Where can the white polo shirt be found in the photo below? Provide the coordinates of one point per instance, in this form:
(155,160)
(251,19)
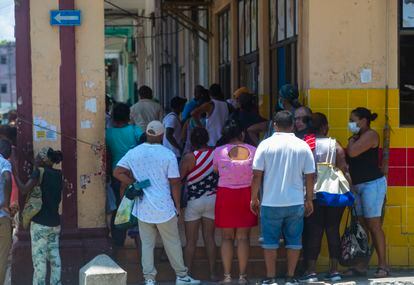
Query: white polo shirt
(284,159)
(156,163)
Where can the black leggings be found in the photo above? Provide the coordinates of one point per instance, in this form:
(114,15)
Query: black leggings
(323,219)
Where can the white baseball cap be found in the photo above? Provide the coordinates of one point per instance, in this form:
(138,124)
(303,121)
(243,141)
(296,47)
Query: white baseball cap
(155,128)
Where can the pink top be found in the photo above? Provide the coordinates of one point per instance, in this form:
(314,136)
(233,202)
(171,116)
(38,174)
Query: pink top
(234,173)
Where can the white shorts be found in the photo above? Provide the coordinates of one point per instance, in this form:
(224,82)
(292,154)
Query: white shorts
(202,207)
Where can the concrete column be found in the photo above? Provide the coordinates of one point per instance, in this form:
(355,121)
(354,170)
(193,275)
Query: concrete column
(66,81)
(264,58)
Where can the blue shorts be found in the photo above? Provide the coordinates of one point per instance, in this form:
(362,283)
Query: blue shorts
(369,198)
(278,220)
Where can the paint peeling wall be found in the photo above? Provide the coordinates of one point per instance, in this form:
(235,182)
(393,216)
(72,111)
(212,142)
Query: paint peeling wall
(341,45)
(91,114)
(45,72)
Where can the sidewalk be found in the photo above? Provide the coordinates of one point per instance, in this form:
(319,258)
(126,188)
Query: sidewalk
(400,277)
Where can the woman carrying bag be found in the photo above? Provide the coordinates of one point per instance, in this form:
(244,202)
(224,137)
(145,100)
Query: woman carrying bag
(370,185)
(45,225)
(332,195)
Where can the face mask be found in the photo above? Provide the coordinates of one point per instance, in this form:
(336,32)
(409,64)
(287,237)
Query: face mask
(280,103)
(353,127)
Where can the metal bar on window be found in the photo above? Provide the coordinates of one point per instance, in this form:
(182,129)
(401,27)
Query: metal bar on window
(286,15)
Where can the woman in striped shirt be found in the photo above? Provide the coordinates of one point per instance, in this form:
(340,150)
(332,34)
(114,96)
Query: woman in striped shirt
(197,172)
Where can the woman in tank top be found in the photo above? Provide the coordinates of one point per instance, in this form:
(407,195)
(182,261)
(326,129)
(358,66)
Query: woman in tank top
(197,172)
(324,218)
(45,225)
(370,185)
(217,112)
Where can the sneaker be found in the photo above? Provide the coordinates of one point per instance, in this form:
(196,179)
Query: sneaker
(227,279)
(269,281)
(243,280)
(291,281)
(333,277)
(150,282)
(312,277)
(186,280)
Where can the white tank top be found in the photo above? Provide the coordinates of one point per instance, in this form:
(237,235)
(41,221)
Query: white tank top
(325,150)
(215,122)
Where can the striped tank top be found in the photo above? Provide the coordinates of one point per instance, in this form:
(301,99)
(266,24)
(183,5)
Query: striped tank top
(202,180)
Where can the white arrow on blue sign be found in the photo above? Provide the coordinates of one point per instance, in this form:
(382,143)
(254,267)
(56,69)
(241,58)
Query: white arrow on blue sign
(65,17)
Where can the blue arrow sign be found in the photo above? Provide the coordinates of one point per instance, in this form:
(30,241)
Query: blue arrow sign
(65,17)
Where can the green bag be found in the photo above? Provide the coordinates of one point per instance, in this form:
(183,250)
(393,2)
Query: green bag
(33,203)
(124,218)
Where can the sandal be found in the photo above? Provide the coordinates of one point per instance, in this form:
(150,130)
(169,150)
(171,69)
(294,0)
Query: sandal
(352,272)
(381,273)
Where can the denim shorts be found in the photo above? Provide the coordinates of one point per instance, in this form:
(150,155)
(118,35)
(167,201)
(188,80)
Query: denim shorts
(369,198)
(276,221)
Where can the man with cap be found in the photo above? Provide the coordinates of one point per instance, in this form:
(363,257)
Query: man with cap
(173,128)
(156,210)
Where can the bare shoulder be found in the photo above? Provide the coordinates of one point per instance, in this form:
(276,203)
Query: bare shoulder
(372,136)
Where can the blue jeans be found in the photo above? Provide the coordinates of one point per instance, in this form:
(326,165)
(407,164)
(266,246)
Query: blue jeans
(369,198)
(278,220)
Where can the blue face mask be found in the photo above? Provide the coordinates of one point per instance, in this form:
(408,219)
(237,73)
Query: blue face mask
(353,128)
(280,103)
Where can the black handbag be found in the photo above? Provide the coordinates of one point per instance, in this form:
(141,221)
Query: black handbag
(354,242)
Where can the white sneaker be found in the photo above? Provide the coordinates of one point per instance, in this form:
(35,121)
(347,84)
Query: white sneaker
(186,280)
(150,282)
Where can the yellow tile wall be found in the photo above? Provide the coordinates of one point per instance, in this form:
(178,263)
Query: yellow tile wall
(399,213)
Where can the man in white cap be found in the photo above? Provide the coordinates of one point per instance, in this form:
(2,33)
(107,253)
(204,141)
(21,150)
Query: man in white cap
(157,209)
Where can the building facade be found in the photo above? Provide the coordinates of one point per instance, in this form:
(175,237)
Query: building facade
(341,54)
(7,76)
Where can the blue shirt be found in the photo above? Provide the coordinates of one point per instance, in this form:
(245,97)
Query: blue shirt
(5,165)
(188,108)
(120,140)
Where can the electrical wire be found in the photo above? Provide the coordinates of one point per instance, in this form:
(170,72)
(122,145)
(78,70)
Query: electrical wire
(93,145)
(132,14)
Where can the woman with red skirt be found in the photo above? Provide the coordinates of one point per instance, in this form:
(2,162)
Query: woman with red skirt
(233,162)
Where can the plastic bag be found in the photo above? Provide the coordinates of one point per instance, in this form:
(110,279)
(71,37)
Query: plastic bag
(124,218)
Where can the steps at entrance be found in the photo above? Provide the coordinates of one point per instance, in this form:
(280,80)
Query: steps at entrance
(129,259)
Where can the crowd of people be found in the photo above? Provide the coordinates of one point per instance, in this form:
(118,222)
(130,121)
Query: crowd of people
(220,165)
(204,160)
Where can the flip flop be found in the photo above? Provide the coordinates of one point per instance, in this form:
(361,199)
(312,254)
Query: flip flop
(381,273)
(352,272)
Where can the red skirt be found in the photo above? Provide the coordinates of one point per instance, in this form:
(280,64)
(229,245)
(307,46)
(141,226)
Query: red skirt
(233,208)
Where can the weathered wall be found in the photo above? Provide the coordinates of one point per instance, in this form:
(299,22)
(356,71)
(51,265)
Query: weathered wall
(90,89)
(346,36)
(46,60)
(45,69)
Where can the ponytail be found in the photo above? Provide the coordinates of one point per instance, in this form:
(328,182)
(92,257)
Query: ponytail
(364,113)
(55,156)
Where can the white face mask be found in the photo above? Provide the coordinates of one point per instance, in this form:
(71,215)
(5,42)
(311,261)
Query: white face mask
(353,127)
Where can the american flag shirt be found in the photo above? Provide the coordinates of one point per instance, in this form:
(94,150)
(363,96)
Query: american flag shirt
(202,180)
